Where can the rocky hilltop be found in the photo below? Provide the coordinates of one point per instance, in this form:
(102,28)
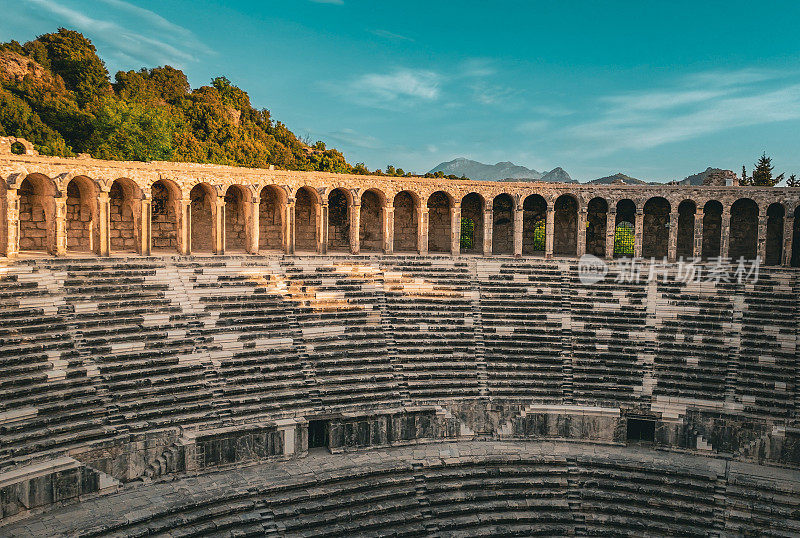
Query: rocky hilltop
(502,171)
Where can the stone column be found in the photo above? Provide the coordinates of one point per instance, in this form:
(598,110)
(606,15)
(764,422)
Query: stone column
(288,227)
(672,243)
(638,230)
(518,213)
(252,224)
(387,220)
(488,223)
(788,238)
(455,229)
(611,230)
(761,246)
(59,246)
(422,230)
(185,235)
(549,235)
(355,228)
(219,226)
(583,214)
(322,228)
(697,247)
(725,232)
(103,224)
(146,228)
(11,225)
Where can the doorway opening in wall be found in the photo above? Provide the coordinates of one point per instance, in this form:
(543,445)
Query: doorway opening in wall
(318,434)
(641,430)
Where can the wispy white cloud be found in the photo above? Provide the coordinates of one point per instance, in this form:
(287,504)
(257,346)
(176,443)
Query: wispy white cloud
(394,90)
(354,138)
(333,2)
(128,34)
(391,35)
(649,119)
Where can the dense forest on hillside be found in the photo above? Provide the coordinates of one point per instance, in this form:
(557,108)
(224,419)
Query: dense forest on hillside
(55,91)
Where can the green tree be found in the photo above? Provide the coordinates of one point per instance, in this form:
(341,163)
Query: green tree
(131,131)
(793,181)
(74,59)
(762,174)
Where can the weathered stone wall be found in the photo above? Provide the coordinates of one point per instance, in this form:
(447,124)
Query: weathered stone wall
(439,239)
(338,222)
(124,222)
(235,220)
(405,223)
(473,210)
(656,229)
(503,225)
(371,223)
(33,223)
(270,221)
(565,239)
(305,222)
(534,212)
(202,213)
(79,221)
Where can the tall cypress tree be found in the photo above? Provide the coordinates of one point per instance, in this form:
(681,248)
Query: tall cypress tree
(762,175)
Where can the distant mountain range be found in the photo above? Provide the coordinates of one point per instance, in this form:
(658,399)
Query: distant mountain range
(697,179)
(619,177)
(500,171)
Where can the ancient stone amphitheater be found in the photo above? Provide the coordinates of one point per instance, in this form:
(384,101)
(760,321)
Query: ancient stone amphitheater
(192,350)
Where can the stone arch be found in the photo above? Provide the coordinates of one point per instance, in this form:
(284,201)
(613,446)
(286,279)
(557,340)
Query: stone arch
(795,259)
(503,224)
(743,235)
(534,224)
(596,223)
(306,219)
(774,247)
(472,211)
(271,216)
(565,227)
(237,215)
(165,218)
(655,228)
(37,227)
(339,207)
(406,206)
(370,226)
(203,211)
(624,229)
(439,222)
(81,219)
(125,215)
(712,229)
(687,210)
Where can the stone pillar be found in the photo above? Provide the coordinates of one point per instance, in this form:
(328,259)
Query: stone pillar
(11,225)
(638,230)
(322,228)
(219,226)
(611,230)
(103,224)
(355,228)
(387,220)
(549,232)
(252,224)
(583,214)
(146,228)
(288,227)
(788,238)
(455,229)
(488,223)
(185,235)
(761,246)
(725,233)
(422,230)
(288,426)
(672,244)
(59,246)
(518,213)
(697,246)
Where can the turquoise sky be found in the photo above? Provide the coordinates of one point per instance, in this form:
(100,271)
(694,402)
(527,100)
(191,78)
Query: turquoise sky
(657,90)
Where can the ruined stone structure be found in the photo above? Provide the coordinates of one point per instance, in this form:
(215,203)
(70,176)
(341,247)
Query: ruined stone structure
(154,390)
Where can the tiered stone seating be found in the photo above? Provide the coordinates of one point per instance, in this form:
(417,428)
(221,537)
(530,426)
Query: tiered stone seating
(692,353)
(608,322)
(761,502)
(506,496)
(429,305)
(253,341)
(521,312)
(646,496)
(47,401)
(764,380)
(339,317)
(145,349)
